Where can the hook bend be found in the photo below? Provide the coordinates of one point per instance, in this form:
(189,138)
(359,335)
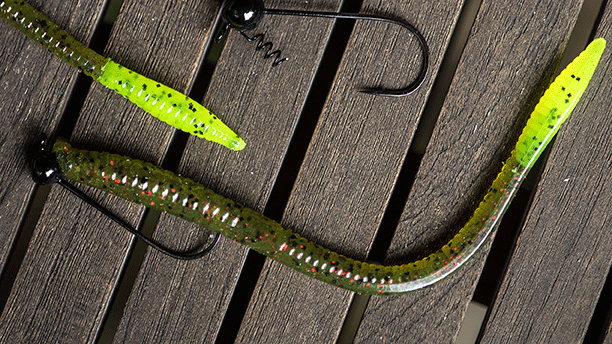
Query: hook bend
(343,15)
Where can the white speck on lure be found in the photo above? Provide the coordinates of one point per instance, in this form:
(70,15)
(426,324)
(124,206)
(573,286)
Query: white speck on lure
(118,78)
(286,247)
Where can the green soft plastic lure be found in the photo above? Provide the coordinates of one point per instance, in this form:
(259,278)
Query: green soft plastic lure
(153,187)
(161,101)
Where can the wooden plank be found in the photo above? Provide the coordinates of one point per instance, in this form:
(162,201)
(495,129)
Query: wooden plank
(350,168)
(186,301)
(562,256)
(509,58)
(63,287)
(34,86)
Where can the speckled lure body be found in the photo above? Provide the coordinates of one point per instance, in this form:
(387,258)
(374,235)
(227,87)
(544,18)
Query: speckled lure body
(157,99)
(153,187)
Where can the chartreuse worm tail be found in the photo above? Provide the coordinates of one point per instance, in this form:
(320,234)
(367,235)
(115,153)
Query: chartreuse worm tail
(156,188)
(159,100)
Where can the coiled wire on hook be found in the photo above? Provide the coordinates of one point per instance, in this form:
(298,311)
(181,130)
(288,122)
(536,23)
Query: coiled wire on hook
(268,46)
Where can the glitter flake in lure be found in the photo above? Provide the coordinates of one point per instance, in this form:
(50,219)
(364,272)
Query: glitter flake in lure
(153,187)
(159,100)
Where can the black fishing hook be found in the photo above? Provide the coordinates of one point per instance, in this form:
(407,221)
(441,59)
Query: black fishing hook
(45,170)
(244,15)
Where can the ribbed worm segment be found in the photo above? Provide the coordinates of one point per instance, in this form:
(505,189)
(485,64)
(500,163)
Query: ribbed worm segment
(40,29)
(151,186)
(157,99)
(169,105)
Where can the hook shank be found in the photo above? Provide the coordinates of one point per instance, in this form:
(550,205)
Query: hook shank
(172,253)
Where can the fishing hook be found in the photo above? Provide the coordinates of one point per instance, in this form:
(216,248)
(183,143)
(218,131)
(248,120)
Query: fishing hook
(45,170)
(244,15)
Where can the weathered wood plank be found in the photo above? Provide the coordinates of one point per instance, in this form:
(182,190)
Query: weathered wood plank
(75,256)
(500,76)
(34,86)
(562,256)
(187,301)
(350,168)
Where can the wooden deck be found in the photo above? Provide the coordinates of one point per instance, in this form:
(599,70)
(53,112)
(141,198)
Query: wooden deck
(372,177)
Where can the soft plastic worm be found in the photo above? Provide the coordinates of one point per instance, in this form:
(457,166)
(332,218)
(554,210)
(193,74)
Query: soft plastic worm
(159,100)
(153,187)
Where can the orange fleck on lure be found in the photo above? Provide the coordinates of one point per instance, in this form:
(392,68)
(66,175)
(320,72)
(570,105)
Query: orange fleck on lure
(161,101)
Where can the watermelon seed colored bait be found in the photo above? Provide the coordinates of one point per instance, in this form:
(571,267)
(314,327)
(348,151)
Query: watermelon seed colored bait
(159,100)
(153,187)
(156,188)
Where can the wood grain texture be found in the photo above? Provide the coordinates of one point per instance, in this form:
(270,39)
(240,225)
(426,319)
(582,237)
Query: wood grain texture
(350,168)
(75,256)
(186,302)
(65,282)
(499,79)
(562,257)
(34,86)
